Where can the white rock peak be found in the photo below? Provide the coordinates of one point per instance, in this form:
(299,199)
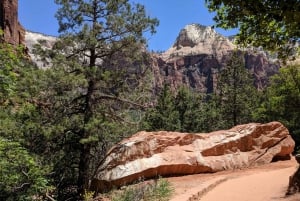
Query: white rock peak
(198,39)
(46,42)
(197,33)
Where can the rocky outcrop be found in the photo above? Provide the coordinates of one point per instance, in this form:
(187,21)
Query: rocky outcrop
(199,54)
(195,59)
(152,154)
(14,33)
(197,39)
(45,41)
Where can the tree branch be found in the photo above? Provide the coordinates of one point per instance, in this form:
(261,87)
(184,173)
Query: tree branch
(120,100)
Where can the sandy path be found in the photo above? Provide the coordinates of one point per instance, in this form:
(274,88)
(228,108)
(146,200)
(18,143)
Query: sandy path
(264,183)
(263,186)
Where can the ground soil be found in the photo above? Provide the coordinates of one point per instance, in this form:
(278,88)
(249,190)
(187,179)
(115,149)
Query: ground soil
(263,183)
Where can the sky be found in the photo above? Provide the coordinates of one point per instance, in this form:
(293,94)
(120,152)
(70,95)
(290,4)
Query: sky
(174,15)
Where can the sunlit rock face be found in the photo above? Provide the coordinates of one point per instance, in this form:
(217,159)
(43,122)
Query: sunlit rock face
(195,59)
(194,34)
(152,154)
(45,41)
(199,54)
(198,39)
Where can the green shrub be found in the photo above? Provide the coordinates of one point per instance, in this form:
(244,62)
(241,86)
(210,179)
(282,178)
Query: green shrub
(159,190)
(88,195)
(162,190)
(21,176)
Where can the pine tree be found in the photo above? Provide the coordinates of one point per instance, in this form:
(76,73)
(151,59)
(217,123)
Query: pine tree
(96,62)
(164,116)
(236,95)
(190,107)
(282,101)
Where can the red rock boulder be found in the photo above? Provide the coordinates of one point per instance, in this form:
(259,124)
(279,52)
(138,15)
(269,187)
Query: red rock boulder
(152,154)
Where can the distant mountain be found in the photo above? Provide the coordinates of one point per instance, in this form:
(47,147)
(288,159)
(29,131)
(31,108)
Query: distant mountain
(199,54)
(197,39)
(195,59)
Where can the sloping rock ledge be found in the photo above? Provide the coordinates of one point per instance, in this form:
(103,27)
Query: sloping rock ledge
(151,154)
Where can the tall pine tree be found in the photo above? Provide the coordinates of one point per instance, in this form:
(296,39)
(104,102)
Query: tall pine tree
(235,94)
(282,101)
(95,63)
(164,116)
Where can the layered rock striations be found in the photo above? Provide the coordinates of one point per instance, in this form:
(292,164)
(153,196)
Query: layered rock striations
(195,60)
(13,31)
(197,39)
(152,154)
(199,54)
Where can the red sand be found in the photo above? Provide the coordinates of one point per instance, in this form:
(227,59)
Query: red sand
(263,183)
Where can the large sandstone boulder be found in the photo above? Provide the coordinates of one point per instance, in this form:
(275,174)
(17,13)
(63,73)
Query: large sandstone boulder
(152,154)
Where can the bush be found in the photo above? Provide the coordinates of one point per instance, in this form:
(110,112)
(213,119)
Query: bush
(21,176)
(159,190)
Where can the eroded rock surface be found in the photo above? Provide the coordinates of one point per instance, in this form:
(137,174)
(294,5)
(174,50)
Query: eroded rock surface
(13,31)
(200,53)
(196,39)
(152,154)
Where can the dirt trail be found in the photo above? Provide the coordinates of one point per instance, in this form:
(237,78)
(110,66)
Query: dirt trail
(263,183)
(263,186)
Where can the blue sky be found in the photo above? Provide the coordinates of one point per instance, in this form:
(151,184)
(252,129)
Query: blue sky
(38,16)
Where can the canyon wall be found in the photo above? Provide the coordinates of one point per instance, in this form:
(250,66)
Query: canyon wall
(13,31)
(200,53)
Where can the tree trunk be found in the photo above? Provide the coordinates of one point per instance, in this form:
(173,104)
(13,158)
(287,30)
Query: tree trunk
(83,169)
(85,148)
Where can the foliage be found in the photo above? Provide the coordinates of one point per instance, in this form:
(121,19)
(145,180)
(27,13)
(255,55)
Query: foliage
(21,176)
(282,101)
(9,59)
(161,190)
(83,100)
(188,105)
(235,94)
(61,120)
(164,115)
(88,195)
(267,23)
(233,102)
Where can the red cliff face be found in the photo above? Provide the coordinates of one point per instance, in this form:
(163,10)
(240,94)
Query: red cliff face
(14,33)
(197,57)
